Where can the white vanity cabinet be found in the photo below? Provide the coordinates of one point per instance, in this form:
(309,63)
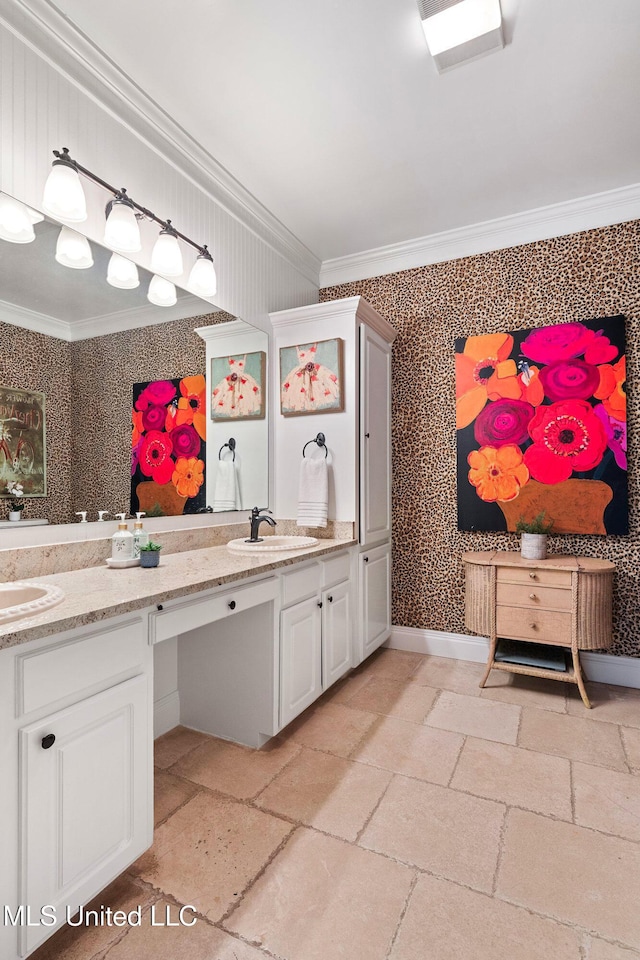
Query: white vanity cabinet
(77,708)
(374,588)
(316,629)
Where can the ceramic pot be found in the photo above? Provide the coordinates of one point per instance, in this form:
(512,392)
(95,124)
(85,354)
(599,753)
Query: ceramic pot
(533,546)
(15,514)
(149,558)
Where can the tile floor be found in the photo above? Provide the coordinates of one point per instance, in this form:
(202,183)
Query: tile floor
(408,815)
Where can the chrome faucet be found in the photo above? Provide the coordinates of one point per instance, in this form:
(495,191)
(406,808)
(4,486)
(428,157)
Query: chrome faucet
(255,520)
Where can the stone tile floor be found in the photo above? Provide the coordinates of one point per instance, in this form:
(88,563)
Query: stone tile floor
(407,815)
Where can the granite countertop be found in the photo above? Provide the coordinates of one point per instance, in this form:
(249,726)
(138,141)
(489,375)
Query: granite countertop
(97,593)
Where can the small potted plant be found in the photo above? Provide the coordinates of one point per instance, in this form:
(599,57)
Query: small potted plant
(533,544)
(150,554)
(17,505)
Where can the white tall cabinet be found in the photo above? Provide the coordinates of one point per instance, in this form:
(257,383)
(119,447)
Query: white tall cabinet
(358,440)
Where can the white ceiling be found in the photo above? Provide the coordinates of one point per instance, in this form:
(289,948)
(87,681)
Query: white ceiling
(332,114)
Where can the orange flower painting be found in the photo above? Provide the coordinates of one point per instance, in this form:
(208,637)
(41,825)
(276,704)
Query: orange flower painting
(541,417)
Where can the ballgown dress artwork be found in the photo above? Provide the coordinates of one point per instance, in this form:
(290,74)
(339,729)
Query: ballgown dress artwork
(238,394)
(309,385)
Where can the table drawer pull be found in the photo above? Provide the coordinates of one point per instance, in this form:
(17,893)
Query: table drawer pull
(533,576)
(532,596)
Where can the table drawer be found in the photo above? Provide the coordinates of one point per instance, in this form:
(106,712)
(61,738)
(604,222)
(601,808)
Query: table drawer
(537,575)
(532,596)
(545,626)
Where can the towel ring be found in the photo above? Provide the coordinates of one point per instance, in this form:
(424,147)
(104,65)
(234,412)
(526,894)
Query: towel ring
(321,441)
(232,447)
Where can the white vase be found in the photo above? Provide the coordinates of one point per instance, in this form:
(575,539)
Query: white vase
(533,546)
(15,514)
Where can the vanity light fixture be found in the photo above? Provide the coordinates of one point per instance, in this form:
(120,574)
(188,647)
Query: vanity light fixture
(162,293)
(122,273)
(166,256)
(121,231)
(73,250)
(64,199)
(63,196)
(17,220)
(202,279)
(461,30)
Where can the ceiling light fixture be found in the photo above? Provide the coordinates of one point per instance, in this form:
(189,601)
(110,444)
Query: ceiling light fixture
(458,31)
(162,293)
(17,220)
(122,233)
(73,250)
(122,273)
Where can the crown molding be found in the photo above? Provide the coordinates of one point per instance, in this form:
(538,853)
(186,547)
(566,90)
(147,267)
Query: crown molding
(543,223)
(147,315)
(54,37)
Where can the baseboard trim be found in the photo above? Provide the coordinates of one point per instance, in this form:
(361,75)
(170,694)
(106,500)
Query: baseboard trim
(599,667)
(166,714)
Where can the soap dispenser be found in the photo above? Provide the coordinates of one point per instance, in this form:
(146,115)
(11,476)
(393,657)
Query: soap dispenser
(140,536)
(122,541)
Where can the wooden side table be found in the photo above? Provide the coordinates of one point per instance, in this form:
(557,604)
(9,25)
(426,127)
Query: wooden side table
(563,601)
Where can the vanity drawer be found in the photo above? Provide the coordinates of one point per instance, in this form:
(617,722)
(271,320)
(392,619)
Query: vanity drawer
(545,626)
(537,575)
(300,583)
(180,616)
(74,666)
(336,569)
(533,596)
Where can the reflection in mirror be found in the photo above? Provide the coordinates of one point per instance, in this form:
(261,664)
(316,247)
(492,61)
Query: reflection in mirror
(84,343)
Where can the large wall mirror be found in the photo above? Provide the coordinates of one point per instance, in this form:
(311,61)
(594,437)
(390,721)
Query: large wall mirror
(88,346)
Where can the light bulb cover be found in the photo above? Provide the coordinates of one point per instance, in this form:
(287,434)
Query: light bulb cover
(122,273)
(121,231)
(202,279)
(73,250)
(162,293)
(17,220)
(166,256)
(63,196)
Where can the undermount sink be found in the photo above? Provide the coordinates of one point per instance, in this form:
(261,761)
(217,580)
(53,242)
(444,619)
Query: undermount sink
(270,544)
(19,599)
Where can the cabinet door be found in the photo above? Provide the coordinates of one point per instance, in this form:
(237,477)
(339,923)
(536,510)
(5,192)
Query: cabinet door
(375,598)
(300,658)
(86,799)
(375,437)
(336,633)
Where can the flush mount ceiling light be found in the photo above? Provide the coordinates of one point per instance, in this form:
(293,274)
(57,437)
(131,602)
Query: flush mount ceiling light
(121,231)
(17,220)
(73,250)
(461,30)
(64,199)
(122,273)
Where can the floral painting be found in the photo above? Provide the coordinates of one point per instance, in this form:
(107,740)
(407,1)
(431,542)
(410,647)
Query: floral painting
(238,392)
(311,378)
(168,446)
(541,420)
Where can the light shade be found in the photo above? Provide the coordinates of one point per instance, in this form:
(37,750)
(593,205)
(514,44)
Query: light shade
(202,279)
(73,250)
(121,231)
(122,273)
(166,256)
(63,195)
(162,292)
(17,220)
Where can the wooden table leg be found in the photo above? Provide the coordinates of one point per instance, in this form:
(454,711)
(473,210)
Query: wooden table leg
(490,661)
(575,656)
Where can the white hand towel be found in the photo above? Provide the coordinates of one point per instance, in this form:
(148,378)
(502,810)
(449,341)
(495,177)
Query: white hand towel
(313,495)
(226,495)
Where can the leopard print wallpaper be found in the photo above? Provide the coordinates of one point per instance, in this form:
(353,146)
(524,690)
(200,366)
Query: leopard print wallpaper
(581,276)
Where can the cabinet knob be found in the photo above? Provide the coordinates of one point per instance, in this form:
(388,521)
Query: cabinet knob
(48,741)
(533,576)
(232,604)
(320,603)
(160,607)
(330,599)
(532,596)
(367,435)
(366,559)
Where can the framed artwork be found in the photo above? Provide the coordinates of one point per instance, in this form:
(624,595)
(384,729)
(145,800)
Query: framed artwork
(541,418)
(23,459)
(311,378)
(168,448)
(238,387)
